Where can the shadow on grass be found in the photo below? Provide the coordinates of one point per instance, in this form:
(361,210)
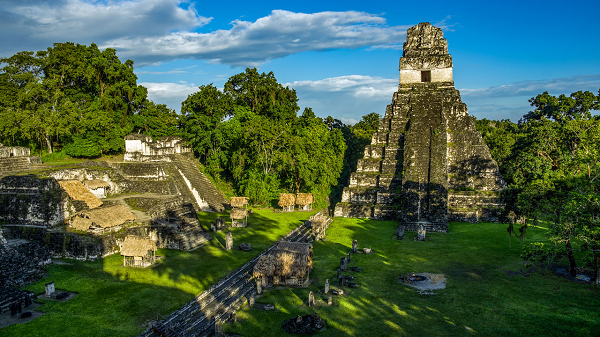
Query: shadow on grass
(480,297)
(118,301)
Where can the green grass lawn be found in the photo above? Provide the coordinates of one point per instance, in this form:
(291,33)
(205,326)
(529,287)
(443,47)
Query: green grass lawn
(490,291)
(117,301)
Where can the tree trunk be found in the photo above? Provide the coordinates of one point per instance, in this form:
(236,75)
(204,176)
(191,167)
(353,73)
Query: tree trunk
(48,143)
(572,266)
(597,261)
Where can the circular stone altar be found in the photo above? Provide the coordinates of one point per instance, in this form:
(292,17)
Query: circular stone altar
(424,281)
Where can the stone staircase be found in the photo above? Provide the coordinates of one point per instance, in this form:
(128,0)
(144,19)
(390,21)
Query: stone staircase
(10,295)
(374,188)
(198,317)
(14,165)
(206,196)
(191,234)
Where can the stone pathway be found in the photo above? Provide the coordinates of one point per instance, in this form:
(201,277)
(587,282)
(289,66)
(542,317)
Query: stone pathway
(219,301)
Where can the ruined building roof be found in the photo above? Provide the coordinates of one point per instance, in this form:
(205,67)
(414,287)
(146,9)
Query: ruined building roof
(80,223)
(108,216)
(137,246)
(304,199)
(96,183)
(239,201)
(286,199)
(77,191)
(288,259)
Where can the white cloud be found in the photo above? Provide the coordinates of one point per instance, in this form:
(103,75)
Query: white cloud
(277,35)
(356,85)
(171,94)
(535,87)
(346,98)
(38,24)
(153,31)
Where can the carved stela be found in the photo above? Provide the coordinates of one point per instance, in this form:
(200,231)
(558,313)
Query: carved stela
(427,164)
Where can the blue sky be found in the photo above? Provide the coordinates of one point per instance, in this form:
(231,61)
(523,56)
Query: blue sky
(340,56)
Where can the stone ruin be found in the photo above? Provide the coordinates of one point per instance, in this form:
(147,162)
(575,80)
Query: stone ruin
(427,164)
(15,159)
(306,324)
(142,148)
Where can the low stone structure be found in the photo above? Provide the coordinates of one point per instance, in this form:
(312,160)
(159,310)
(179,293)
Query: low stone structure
(289,263)
(305,201)
(16,159)
(427,163)
(11,298)
(287,201)
(142,148)
(107,218)
(138,252)
(303,324)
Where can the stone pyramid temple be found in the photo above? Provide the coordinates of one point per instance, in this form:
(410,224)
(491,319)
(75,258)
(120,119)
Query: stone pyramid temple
(427,164)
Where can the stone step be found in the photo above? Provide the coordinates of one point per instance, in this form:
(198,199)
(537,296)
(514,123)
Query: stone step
(387,138)
(207,191)
(370,180)
(224,297)
(359,195)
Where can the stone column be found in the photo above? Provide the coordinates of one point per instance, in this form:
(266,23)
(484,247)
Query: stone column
(259,285)
(329,301)
(343,263)
(219,328)
(347,259)
(251,299)
(421,233)
(326,286)
(311,299)
(50,290)
(400,232)
(354,246)
(228,241)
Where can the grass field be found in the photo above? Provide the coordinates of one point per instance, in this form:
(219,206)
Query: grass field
(117,301)
(489,291)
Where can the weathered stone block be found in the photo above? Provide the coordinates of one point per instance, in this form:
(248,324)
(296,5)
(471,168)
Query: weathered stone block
(363,180)
(375,152)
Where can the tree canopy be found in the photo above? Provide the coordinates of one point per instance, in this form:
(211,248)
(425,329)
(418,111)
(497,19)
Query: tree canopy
(77,97)
(250,135)
(551,160)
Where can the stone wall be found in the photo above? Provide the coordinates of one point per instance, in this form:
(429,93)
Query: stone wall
(13,151)
(33,200)
(142,148)
(22,262)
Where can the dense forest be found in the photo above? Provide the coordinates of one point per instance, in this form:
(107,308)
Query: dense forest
(77,98)
(249,135)
(551,162)
(83,101)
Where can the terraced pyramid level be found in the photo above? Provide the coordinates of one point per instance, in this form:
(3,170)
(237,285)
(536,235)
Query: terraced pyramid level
(427,164)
